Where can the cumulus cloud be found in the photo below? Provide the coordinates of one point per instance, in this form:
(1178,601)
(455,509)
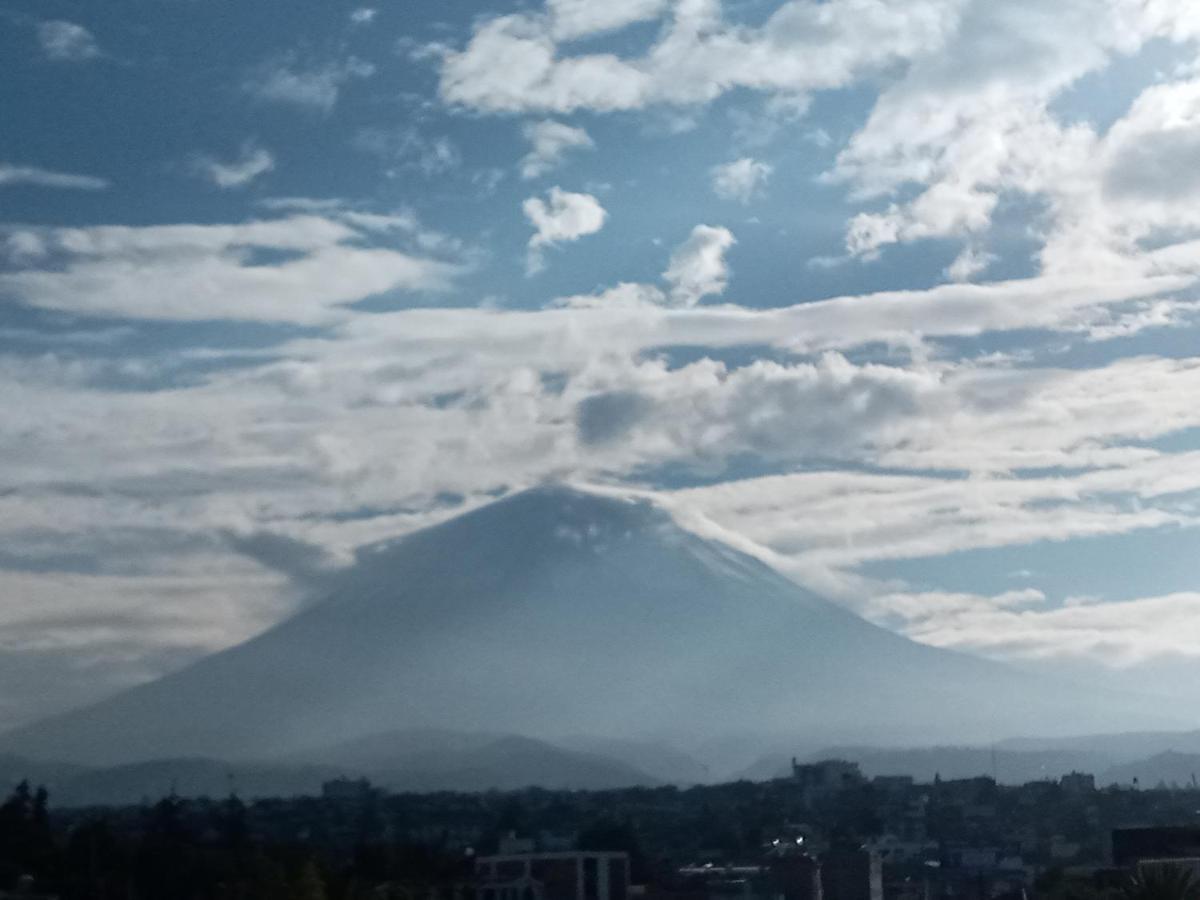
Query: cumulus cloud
(803,46)
(974,121)
(252,161)
(706,413)
(697,268)
(969,119)
(1134,186)
(550,142)
(197,272)
(562,217)
(741,179)
(364,15)
(11,174)
(286,79)
(67,41)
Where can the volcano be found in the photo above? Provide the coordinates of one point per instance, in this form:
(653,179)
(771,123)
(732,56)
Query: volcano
(558,611)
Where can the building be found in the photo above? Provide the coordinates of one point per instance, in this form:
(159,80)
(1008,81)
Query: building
(795,876)
(570,875)
(1131,846)
(1078,783)
(26,890)
(827,777)
(851,875)
(712,882)
(1191,866)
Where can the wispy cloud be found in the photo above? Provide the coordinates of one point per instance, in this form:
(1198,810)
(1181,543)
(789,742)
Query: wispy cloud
(550,142)
(199,272)
(741,179)
(67,41)
(407,148)
(32,175)
(287,79)
(252,161)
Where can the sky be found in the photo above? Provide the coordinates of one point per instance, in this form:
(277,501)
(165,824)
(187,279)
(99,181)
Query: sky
(901,295)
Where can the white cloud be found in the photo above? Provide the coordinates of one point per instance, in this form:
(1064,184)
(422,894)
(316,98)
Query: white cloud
(364,15)
(253,161)
(67,42)
(705,413)
(626,295)
(974,122)
(550,142)
(563,217)
(969,119)
(197,272)
(1143,316)
(741,179)
(11,174)
(697,268)
(1118,633)
(970,262)
(513,63)
(286,80)
(580,18)
(23,247)
(1132,186)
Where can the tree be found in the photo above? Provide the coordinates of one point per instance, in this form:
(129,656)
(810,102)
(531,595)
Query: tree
(309,884)
(1162,881)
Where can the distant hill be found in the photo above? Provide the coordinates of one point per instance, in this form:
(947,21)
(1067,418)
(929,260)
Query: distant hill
(426,761)
(14,769)
(659,760)
(1117,747)
(768,767)
(72,785)
(447,760)
(1170,768)
(558,611)
(135,782)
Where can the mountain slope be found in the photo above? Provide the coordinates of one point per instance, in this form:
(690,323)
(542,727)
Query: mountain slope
(1120,748)
(658,760)
(1170,768)
(555,611)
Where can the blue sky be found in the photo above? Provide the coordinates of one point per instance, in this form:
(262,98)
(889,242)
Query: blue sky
(898,294)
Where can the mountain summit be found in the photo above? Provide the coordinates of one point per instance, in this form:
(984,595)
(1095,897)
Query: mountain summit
(556,611)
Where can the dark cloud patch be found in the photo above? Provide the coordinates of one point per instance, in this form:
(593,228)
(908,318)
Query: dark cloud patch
(1160,169)
(603,418)
(308,565)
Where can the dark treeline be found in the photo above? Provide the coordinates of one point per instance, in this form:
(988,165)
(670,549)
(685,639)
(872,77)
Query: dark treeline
(198,850)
